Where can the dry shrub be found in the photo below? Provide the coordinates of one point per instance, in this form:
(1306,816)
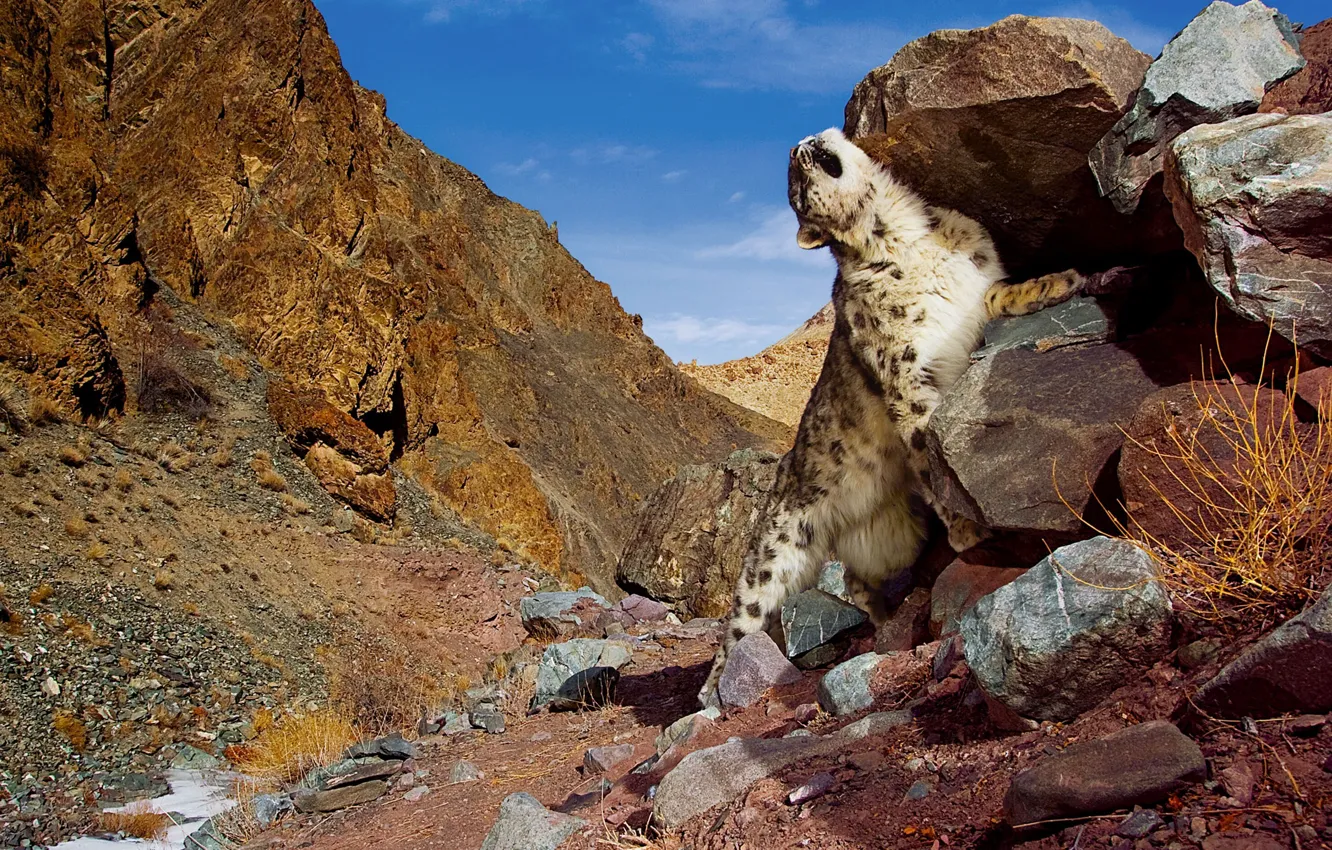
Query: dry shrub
(164,580)
(270,479)
(43,411)
(73,456)
(81,630)
(295,506)
(173,457)
(69,725)
(1256,536)
(222,457)
(138,820)
(290,748)
(41,593)
(76,527)
(123,480)
(160,382)
(384,689)
(97,550)
(235,368)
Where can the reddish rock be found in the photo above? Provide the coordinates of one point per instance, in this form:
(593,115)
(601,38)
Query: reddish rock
(1309,90)
(960,586)
(1152,480)
(307,419)
(908,626)
(1315,388)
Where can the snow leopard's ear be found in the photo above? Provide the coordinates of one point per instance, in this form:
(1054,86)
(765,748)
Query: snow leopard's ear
(810,237)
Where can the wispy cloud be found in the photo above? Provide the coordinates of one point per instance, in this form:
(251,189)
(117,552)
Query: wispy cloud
(760,44)
(529,164)
(736,197)
(1146,37)
(679,329)
(443,11)
(772,240)
(673,176)
(637,44)
(612,152)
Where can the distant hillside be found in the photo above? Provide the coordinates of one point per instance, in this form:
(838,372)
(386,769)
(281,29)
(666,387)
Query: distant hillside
(776,381)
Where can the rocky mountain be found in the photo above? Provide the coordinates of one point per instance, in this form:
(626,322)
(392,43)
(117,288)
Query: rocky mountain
(219,150)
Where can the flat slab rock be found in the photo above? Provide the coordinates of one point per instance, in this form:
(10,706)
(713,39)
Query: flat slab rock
(525,824)
(339,798)
(1289,671)
(815,619)
(754,666)
(717,775)
(1069,631)
(1139,765)
(555,612)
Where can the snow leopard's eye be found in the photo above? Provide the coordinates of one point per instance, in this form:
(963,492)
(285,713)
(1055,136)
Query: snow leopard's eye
(828,162)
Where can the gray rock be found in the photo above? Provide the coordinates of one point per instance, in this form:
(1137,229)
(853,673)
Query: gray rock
(587,689)
(1079,321)
(1254,199)
(209,836)
(642,609)
(1287,672)
(562,660)
(684,727)
(1217,68)
(1139,765)
(416,794)
(546,615)
(376,769)
(464,771)
(1139,824)
(919,790)
(845,688)
(813,621)
(1056,641)
(456,723)
(193,758)
(604,759)
(486,716)
(875,724)
(267,808)
(308,801)
(754,666)
(832,581)
(389,747)
(525,824)
(813,788)
(717,775)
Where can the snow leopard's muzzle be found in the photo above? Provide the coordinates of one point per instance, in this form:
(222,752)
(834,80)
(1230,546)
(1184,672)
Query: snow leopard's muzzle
(811,160)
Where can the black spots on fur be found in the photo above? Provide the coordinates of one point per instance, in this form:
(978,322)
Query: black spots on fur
(769,553)
(887,267)
(897,311)
(737,633)
(858,320)
(894,367)
(925,477)
(909,354)
(880,231)
(872,382)
(929,379)
(836,452)
(919,318)
(805,537)
(783,537)
(764,576)
(933,221)
(980,258)
(918,408)
(918,439)
(753,609)
(894,412)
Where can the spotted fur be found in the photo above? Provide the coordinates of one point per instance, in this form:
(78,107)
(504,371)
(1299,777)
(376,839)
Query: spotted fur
(914,288)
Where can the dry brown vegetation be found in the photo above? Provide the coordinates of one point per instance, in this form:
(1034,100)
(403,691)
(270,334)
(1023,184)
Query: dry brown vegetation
(73,456)
(139,820)
(41,593)
(164,579)
(1258,512)
(43,411)
(385,690)
(286,750)
(67,724)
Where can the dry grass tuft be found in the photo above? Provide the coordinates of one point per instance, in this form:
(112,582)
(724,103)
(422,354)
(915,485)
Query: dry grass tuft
(123,481)
(138,820)
(235,368)
(76,527)
(385,690)
(43,411)
(73,456)
(295,506)
(269,479)
(41,593)
(173,457)
(164,580)
(69,725)
(1257,541)
(97,550)
(288,749)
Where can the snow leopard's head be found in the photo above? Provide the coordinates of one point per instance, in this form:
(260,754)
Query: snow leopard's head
(832,186)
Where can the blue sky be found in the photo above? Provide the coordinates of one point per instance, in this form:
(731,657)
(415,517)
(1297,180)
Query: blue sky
(655,132)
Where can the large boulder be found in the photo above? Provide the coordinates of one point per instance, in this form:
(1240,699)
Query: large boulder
(525,824)
(690,536)
(1289,671)
(1072,629)
(1217,68)
(561,662)
(1254,198)
(1140,765)
(1177,503)
(754,666)
(1309,90)
(997,123)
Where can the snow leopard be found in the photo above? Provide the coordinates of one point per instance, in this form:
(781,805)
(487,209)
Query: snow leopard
(915,286)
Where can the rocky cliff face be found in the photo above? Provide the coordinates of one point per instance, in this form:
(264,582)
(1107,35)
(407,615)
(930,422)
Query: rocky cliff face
(219,148)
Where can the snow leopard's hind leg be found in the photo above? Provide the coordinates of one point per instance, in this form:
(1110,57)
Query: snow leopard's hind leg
(785,559)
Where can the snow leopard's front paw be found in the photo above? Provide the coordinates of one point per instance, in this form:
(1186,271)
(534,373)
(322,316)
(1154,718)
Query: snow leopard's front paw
(964,534)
